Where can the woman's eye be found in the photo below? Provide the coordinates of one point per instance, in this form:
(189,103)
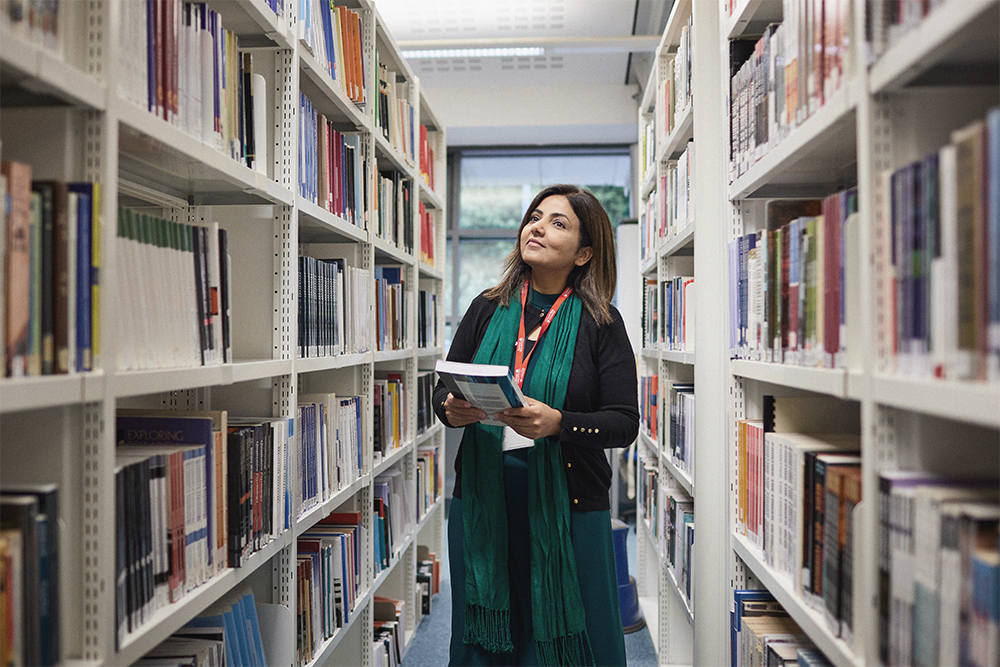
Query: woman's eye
(560,223)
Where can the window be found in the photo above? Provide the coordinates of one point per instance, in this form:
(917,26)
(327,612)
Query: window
(495,186)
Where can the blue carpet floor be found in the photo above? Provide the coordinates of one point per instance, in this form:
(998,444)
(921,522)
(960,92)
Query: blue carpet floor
(429,645)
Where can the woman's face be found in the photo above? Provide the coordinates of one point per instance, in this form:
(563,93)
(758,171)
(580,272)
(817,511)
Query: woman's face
(550,241)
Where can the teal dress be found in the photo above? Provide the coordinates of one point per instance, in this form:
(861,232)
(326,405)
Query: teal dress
(593,548)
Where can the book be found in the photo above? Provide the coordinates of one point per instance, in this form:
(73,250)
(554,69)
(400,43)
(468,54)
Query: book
(489,387)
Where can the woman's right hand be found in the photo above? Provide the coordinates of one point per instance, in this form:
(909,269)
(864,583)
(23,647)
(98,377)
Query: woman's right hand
(461,413)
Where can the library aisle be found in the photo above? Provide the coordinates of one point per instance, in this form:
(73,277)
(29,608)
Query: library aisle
(429,645)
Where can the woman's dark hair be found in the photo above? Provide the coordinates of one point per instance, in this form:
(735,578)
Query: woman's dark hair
(595,281)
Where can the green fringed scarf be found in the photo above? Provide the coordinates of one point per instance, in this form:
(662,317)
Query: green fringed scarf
(558,619)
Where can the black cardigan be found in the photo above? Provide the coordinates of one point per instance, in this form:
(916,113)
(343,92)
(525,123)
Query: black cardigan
(601,408)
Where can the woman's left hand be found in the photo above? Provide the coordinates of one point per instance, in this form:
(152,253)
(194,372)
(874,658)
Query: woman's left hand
(535,421)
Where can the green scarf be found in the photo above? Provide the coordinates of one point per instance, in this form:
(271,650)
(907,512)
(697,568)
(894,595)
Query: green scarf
(558,619)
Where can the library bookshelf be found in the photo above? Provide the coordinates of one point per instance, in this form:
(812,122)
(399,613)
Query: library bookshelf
(904,87)
(75,109)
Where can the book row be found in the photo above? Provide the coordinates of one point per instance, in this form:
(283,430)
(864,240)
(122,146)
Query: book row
(668,317)
(796,496)
(675,87)
(328,579)
(51,283)
(429,479)
(649,400)
(425,406)
(762,633)
(677,539)
(179,313)
(389,640)
(180,64)
(230,638)
(335,36)
(786,75)
(671,209)
(29,575)
(391,305)
(888,22)
(333,307)
(787,296)
(938,569)
(941,251)
(427,320)
(428,235)
(329,449)
(427,158)
(680,399)
(428,577)
(35,21)
(390,413)
(197,492)
(393,215)
(331,166)
(668,513)
(395,114)
(394,515)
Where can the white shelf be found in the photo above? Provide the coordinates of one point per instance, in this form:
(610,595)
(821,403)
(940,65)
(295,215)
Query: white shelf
(316,224)
(170,618)
(649,182)
(957,35)
(254,23)
(750,17)
(681,595)
(682,476)
(648,266)
(650,443)
(429,271)
(678,357)
(391,458)
(810,620)
(314,514)
(395,157)
(680,243)
(139,383)
(33,393)
(972,402)
(428,196)
(39,71)
(429,433)
(312,364)
(816,158)
(387,252)
(830,381)
(159,155)
(679,14)
(650,607)
(676,141)
(393,355)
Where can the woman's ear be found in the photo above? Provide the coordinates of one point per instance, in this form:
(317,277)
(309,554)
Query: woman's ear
(583,255)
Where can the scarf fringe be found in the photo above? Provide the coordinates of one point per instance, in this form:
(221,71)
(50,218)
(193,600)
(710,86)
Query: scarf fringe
(490,628)
(571,651)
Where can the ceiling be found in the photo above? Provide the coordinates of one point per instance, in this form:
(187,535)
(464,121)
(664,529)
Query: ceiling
(594,51)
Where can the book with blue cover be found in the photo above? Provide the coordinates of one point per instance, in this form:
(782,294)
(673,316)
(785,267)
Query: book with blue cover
(489,387)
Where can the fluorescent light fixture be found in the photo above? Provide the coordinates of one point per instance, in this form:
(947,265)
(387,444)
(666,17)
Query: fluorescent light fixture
(475,53)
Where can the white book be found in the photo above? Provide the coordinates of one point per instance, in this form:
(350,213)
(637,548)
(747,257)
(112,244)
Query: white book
(944,269)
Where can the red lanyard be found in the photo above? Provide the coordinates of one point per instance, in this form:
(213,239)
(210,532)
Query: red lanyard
(521,361)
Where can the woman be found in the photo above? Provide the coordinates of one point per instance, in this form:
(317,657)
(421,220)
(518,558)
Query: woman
(529,533)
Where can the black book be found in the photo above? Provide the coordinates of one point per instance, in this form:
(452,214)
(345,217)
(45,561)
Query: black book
(249,150)
(200,276)
(225,309)
(47,191)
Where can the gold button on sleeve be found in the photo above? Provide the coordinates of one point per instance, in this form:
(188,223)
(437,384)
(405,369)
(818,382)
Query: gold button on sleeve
(576,501)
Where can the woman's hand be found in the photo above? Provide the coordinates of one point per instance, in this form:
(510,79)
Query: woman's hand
(461,413)
(535,421)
